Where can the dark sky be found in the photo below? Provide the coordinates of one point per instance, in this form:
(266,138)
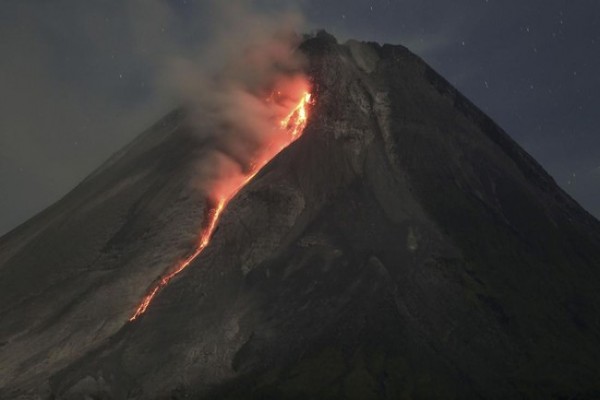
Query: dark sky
(79,79)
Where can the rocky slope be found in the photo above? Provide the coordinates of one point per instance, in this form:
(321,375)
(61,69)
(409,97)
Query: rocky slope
(403,247)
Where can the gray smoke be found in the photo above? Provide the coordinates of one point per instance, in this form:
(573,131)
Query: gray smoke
(238,88)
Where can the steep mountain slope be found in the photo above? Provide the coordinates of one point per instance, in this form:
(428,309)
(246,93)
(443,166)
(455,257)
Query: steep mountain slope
(403,247)
(71,276)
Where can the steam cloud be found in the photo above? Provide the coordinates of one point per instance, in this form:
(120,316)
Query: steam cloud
(239,89)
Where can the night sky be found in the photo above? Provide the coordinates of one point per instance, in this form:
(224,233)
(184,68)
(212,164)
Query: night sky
(78,80)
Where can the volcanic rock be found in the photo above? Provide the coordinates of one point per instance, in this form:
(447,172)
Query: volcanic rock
(404,247)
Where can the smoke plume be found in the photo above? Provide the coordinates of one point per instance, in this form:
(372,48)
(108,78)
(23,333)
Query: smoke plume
(239,89)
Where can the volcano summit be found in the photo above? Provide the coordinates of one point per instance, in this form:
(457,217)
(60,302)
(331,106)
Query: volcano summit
(403,247)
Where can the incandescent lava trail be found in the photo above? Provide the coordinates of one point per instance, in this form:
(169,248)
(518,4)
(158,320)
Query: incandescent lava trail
(290,128)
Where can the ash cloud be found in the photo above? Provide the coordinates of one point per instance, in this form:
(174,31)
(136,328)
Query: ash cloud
(79,80)
(238,89)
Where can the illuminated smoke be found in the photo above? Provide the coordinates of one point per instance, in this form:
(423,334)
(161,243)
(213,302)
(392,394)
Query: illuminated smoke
(240,88)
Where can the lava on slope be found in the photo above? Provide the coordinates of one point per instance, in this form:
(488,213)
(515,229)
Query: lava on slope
(289,129)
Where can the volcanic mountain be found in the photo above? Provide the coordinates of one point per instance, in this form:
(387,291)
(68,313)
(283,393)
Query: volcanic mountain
(403,247)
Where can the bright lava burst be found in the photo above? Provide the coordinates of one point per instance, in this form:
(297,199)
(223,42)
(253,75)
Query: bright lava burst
(291,128)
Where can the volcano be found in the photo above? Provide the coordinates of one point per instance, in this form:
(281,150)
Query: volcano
(403,247)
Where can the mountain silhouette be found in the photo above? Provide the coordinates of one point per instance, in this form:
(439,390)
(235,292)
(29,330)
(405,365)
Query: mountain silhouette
(404,247)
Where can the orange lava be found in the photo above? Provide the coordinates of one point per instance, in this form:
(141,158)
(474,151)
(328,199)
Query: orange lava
(295,121)
(290,128)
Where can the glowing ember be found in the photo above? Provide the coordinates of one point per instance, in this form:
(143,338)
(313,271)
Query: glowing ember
(291,128)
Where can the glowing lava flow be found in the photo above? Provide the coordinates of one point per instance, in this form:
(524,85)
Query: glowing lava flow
(213,217)
(293,123)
